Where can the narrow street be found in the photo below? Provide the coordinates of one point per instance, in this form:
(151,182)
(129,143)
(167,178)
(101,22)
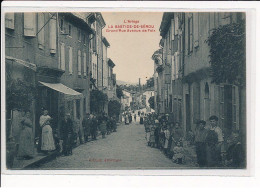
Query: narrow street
(123,149)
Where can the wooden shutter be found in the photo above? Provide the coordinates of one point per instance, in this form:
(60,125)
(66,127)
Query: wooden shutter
(173,70)
(30,24)
(235,107)
(62,56)
(196,29)
(85,64)
(176,19)
(53,34)
(172,28)
(177,64)
(191,32)
(70,60)
(41,30)
(79,62)
(9,20)
(211,22)
(216,19)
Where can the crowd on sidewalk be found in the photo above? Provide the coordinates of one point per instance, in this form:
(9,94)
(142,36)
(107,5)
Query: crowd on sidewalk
(66,138)
(211,149)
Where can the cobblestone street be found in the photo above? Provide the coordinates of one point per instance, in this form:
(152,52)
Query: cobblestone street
(126,148)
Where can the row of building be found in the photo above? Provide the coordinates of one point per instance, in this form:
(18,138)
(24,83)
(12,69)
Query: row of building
(64,57)
(183,80)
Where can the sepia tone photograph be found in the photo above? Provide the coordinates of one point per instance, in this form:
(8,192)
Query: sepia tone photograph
(125,90)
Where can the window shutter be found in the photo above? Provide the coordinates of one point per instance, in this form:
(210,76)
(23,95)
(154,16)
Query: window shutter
(172,27)
(176,25)
(186,35)
(173,75)
(79,62)
(30,24)
(211,22)
(53,34)
(9,20)
(216,19)
(177,65)
(41,30)
(62,56)
(196,29)
(85,64)
(191,32)
(70,60)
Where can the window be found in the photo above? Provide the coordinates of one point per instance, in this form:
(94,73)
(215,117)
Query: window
(85,64)
(79,62)
(78,109)
(41,30)
(30,24)
(70,60)
(206,90)
(62,56)
(70,31)
(9,20)
(226,18)
(61,25)
(79,35)
(84,38)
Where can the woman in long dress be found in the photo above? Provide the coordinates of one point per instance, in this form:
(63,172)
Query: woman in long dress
(47,136)
(26,143)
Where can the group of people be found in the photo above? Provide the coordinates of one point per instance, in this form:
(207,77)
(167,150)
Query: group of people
(91,125)
(164,135)
(211,151)
(69,133)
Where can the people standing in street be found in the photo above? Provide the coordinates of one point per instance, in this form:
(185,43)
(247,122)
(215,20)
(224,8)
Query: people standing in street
(103,128)
(147,131)
(167,138)
(26,143)
(200,143)
(156,132)
(178,153)
(47,135)
(67,134)
(218,148)
(86,126)
(114,124)
(211,148)
(135,117)
(93,127)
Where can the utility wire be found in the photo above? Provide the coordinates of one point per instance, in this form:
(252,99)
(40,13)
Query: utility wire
(45,24)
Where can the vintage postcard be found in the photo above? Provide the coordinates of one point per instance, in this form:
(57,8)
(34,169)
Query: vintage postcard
(125,90)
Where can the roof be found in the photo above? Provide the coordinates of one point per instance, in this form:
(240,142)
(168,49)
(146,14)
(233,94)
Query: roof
(78,18)
(165,24)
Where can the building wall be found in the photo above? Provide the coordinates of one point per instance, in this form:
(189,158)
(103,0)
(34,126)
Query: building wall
(202,98)
(32,46)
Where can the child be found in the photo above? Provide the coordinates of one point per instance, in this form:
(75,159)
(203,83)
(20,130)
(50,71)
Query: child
(178,154)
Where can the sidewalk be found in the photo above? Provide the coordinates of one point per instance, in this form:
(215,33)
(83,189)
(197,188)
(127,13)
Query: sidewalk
(40,159)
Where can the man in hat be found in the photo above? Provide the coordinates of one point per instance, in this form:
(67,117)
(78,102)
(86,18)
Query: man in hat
(67,134)
(200,142)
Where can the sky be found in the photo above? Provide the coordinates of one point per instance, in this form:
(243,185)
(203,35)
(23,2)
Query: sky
(132,51)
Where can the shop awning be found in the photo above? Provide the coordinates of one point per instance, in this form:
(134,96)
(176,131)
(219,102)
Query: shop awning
(63,89)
